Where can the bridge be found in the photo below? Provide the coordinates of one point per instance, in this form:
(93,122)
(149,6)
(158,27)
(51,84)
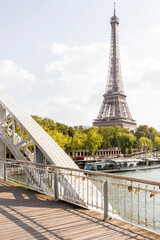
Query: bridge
(29,215)
(29,210)
(56,199)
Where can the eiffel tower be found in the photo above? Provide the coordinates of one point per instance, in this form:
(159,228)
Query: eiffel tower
(114,109)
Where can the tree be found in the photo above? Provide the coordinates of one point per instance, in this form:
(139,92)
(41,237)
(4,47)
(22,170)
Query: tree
(108,136)
(126,141)
(46,123)
(142,131)
(37,119)
(62,128)
(145,143)
(157,143)
(78,140)
(103,137)
(71,131)
(117,131)
(62,140)
(93,141)
(152,133)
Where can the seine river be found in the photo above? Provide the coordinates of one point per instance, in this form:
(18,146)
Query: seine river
(151,174)
(154,175)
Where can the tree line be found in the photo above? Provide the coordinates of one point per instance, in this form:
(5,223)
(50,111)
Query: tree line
(92,139)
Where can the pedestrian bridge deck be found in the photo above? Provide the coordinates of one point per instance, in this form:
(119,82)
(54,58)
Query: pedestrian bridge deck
(25,214)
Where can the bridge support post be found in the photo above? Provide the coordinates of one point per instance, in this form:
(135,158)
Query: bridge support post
(56,185)
(106,203)
(2,145)
(26,176)
(4,171)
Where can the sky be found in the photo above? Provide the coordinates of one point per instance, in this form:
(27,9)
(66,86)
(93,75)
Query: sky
(54,57)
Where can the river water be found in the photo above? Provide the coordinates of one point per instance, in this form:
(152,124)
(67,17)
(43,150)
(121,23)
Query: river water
(152,210)
(150,174)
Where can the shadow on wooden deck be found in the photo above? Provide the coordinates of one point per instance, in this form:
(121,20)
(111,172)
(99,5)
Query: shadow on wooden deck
(25,214)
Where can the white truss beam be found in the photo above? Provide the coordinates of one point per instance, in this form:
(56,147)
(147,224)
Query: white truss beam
(20,144)
(40,139)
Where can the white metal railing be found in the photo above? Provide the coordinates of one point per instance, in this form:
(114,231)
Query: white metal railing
(133,200)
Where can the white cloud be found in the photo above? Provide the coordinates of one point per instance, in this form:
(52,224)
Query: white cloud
(14,77)
(49,81)
(70,111)
(40,45)
(79,63)
(83,73)
(142,86)
(59,48)
(156,31)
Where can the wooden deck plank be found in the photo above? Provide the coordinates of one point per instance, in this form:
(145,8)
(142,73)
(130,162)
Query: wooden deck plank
(25,214)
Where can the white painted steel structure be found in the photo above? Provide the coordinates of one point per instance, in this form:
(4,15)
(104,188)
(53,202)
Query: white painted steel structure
(11,116)
(45,149)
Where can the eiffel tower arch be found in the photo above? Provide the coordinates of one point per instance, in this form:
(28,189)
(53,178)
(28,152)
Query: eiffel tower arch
(114,109)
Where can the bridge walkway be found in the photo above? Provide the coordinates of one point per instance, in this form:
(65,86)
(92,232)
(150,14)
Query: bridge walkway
(25,214)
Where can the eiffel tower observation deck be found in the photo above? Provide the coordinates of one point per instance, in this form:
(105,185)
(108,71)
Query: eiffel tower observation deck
(114,109)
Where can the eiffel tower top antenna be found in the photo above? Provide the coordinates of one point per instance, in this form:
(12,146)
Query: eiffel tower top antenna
(114,8)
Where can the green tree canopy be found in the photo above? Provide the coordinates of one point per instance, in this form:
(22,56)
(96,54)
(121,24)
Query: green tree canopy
(157,143)
(104,137)
(145,143)
(126,141)
(46,123)
(78,140)
(62,128)
(94,141)
(152,133)
(62,140)
(108,136)
(71,131)
(142,131)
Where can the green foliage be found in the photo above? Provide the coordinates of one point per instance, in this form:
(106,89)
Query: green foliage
(145,143)
(146,137)
(46,123)
(152,133)
(111,136)
(157,143)
(71,131)
(62,128)
(142,131)
(78,140)
(117,131)
(145,131)
(126,141)
(62,140)
(92,139)
(108,136)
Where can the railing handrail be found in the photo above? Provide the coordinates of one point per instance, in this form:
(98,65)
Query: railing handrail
(97,173)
